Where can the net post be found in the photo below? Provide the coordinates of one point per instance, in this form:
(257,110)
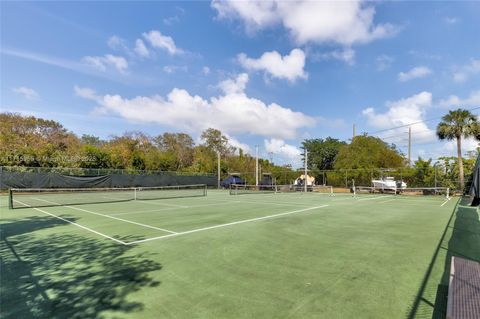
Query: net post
(205,190)
(10,199)
(135,193)
(448,192)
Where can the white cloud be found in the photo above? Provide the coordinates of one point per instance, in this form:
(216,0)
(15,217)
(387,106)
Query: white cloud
(141,49)
(383,62)
(342,22)
(237,144)
(454,101)
(290,67)
(415,73)
(117,43)
(206,70)
(28,93)
(463,73)
(86,93)
(283,150)
(234,86)
(160,41)
(232,112)
(101,63)
(403,112)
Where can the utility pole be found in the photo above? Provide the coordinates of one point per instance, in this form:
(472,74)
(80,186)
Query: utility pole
(409,146)
(218,169)
(354,132)
(306,170)
(256,165)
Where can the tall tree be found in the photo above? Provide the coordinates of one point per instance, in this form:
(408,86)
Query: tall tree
(216,141)
(455,125)
(322,152)
(368,152)
(180,145)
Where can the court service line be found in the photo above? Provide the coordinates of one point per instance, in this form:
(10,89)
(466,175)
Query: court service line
(225,225)
(446,201)
(107,216)
(75,224)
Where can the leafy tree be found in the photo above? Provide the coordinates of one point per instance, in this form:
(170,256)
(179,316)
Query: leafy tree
(180,144)
(31,141)
(368,152)
(423,173)
(94,157)
(455,125)
(92,140)
(216,141)
(322,152)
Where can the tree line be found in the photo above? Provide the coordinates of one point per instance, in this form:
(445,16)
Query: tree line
(36,142)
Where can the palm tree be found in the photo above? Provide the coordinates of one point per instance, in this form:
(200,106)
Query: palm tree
(455,125)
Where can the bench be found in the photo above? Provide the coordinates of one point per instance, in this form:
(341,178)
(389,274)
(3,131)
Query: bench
(464,289)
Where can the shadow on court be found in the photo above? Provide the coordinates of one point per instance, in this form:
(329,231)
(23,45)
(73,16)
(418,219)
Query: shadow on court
(66,275)
(461,238)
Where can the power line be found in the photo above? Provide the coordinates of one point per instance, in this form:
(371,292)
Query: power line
(414,123)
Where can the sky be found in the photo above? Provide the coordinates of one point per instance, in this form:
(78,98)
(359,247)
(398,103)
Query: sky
(269,73)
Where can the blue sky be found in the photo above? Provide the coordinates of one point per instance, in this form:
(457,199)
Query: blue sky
(267,74)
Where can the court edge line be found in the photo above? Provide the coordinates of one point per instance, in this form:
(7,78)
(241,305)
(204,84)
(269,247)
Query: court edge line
(75,224)
(224,225)
(108,216)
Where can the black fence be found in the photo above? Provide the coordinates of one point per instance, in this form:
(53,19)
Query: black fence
(475,184)
(22,177)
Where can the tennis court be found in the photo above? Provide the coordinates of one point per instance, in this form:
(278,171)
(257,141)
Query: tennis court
(272,255)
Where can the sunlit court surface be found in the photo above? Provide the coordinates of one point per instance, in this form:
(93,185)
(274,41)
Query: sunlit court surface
(261,255)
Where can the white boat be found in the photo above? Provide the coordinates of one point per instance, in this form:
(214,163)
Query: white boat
(388,184)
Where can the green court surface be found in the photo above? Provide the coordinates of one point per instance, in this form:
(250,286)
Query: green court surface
(291,255)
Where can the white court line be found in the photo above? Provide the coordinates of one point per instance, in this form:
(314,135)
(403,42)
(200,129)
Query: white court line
(386,201)
(225,225)
(107,216)
(370,198)
(446,201)
(75,224)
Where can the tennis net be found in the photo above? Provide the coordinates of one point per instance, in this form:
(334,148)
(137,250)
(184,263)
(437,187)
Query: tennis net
(410,191)
(239,189)
(44,197)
